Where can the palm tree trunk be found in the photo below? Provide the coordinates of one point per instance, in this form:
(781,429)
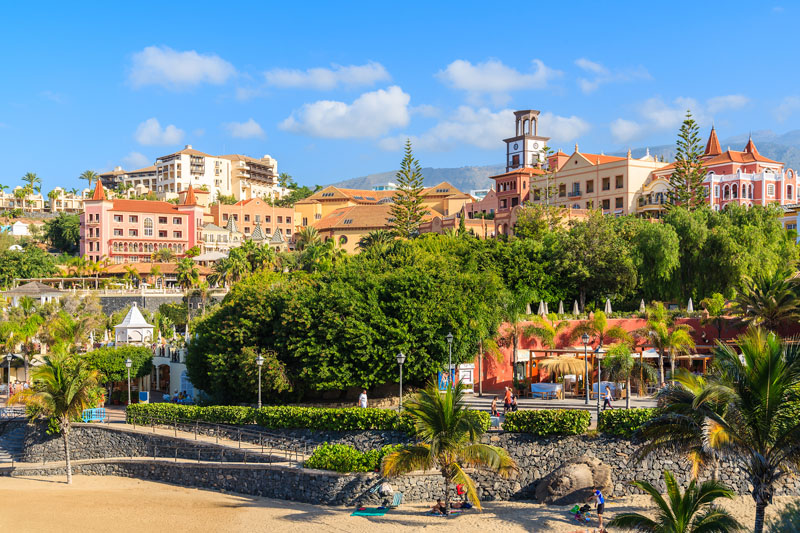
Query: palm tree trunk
(660,367)
(672,368)
(628,393)
(447,496)
(65,434)
(480,369)
(761,506)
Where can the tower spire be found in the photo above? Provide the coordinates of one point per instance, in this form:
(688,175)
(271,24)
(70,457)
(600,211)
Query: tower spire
(712,146)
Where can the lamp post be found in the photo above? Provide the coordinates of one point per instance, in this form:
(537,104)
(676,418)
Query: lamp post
(128,365)
(450,358)
(599,383)
(401,358)
(8,358)
(260,363)
(585,339)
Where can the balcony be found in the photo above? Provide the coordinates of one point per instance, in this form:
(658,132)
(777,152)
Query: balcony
(574,194)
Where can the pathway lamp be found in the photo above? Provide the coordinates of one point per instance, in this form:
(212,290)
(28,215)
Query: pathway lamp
(401,358)
(128,365)
(8,358)
(599,383)
(260,363)
(585,339)
(450,358)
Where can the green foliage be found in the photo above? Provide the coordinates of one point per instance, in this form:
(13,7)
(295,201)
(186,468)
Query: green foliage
(534,221)
(624,422)
(31,262)
(225,199)
(686,182)
(295,195)
(407,209)
(548,422)
(110,362)
(64,232)
(344,458)
(177,313)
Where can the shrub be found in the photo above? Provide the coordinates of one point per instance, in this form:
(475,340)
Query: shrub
(282,417)
(548,422)
(624,422)
(344,458)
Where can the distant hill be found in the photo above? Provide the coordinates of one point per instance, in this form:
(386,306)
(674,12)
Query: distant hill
(780,147)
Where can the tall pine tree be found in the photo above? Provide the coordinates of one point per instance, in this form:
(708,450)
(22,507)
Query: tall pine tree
(407,210)
(686,183)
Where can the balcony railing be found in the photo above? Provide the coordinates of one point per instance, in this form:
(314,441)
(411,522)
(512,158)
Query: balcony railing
(574,194)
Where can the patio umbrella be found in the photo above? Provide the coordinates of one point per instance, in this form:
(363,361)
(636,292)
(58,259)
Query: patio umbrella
(541,308)
(546,310)
(608,306)
(91,338)
(575,310)
(186,333)
(641,306)
(690,307)
(105,336)
(563,365)
(528,309)
(561,307)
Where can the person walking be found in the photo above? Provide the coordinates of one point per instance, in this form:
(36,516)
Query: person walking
(494,407)
(607,401)
(362,399)
(507,401)
(601,504)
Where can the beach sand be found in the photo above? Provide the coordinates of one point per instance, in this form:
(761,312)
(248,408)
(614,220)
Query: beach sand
(118,504)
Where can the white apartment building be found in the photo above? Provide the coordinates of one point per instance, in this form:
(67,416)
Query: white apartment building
(254,178)
(68,202)
(118,178)
(175,172)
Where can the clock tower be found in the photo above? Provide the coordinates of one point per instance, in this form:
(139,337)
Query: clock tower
(526,148)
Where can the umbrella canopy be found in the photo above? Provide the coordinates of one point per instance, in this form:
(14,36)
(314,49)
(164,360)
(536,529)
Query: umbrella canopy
(105,336)
(561,307)
(527,309)
(608,306)
(575,310)
(541,308)
(546,310)
(690,307)
(563,365)
(641,306)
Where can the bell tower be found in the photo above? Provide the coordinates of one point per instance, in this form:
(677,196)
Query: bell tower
(526,148)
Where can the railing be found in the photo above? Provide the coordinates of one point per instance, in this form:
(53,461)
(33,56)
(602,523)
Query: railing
(574,194)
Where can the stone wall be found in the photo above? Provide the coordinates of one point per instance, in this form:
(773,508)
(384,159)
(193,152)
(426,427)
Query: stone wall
(112,303)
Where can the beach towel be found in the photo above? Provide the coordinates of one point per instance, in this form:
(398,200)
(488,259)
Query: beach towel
(370,511)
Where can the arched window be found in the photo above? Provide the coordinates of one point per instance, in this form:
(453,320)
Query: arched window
(148,227)
(735,191)
(343,238)
(726,192)
(789,192)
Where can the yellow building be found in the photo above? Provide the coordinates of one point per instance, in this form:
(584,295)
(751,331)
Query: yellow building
(347,225)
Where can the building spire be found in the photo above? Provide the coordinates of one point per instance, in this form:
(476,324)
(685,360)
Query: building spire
(190,197)
(713,147)
(751,147)
(99,193)
(576,148)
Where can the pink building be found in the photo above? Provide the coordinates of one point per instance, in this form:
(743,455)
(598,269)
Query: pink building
(130,231)
(741,177)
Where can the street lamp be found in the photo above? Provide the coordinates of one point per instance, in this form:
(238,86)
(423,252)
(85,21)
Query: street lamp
(585,339)
(260,363)
(401,358)
(8,358)
(128,365)
(599,383)
(450,358)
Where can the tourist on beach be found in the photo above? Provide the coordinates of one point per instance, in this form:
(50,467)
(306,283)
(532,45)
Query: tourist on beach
(507,401)
(601,504)
(494,407)
(362,399)
(607,401)
(439,508)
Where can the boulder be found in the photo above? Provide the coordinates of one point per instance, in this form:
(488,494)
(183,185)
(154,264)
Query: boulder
(575,481)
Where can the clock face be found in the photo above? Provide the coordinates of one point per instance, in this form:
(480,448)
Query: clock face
(516,146)
(535,145)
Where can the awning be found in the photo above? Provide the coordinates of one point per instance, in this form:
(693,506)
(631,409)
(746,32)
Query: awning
(210,256)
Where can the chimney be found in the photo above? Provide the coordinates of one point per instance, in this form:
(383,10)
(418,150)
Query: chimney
(188,147)
(117,169)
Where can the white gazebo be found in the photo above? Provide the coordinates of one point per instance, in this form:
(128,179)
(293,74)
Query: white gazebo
(134,329)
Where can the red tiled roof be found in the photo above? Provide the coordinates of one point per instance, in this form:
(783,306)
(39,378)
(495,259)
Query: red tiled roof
(601,159)
(99,193)
(712,147)
(145,206)
(190,197)
(525,170)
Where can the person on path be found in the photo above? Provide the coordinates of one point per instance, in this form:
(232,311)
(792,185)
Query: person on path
(494,407)
(362,399)
(601,504)
(507,401)
(513,402)
(607,401)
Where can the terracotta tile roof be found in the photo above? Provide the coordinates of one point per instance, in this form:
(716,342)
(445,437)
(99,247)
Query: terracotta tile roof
(151,168)
(145,206)
(144,268)
(187,151)
(525,170)
(359,217)
(190,198)
(601,159)
(99,193)
(712,147)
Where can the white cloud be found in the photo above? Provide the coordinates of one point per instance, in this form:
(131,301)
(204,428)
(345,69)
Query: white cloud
(161,65)
(371,115)
(245,130)
(425,110)
(150,133)
(328,78)
(625,130)
(787,107)
(494,78)
(484,129)
(135,161)
(724,103)
(603,75)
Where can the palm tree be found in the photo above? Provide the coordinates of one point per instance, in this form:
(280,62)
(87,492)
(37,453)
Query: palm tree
(666,337)
(748,410)
(378,238)
(53,195)
(622,366)
(187,273)
(90,176)
(132,275)
(164,255)
(514,311)
(546,329)
(449,434)
(70,331)
(31,179)
(690,512)
(96,268)
(306,237)
(62,389)
(155,273)
(25,323)
(20,193)
(768,299)
(598,327)
(715,307)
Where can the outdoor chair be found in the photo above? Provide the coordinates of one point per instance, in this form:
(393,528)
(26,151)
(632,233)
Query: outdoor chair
(396,500)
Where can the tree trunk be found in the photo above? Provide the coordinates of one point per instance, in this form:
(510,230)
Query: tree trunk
(761,506)
(628,393)
(65,434)
(672,368)
(447,496)
(480,369)
(660,367)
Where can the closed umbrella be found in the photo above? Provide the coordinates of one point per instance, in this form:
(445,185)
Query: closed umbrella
(546,310)
(575,310)
(641,306)
(105,336)
(608,306)
(541,308)
(690,307)
(561,307)
(527,309)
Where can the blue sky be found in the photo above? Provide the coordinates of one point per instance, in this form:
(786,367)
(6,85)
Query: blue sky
(331,90)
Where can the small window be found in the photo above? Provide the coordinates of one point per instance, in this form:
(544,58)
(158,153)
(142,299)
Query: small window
(343,239)
(347,221)
(280,220)
(771,190)
(789,192)
(618,182)
(117,233)
(133,233)
(133,219)
(148,227)
(288,220)
(117,218)
(606,184)
(176,220)
(327,195)
(562,190)
(606,204)
(305,221)
(163,220)
(618,202)
(590,204)
(162,234)
(716,191)
(176,234)
(247,218)
(247,229)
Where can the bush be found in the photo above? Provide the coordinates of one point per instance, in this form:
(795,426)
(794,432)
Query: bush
(548,422)
(283,417)
(624,422)
(344,458)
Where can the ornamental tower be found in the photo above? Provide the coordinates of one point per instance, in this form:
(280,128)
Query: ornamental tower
(526,148)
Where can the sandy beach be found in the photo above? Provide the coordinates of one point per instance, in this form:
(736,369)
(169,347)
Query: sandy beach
(124,504)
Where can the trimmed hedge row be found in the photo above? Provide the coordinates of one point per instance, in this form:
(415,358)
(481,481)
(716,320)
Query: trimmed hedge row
(548,422)
(624,422)
(282,417)
(344,458)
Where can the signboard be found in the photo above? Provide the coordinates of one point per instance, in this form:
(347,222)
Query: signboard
(144,396)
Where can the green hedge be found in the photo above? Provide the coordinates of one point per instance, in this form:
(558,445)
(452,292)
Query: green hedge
(624,422)
(344,458)
(282,417)
(548,421)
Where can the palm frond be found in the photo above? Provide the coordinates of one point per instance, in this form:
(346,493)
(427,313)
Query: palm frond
(406,460)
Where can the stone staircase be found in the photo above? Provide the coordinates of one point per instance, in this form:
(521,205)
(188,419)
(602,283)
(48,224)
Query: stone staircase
(12,441)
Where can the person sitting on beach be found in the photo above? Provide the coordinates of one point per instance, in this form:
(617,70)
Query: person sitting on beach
(494,407)
(461,505)
(439,507)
